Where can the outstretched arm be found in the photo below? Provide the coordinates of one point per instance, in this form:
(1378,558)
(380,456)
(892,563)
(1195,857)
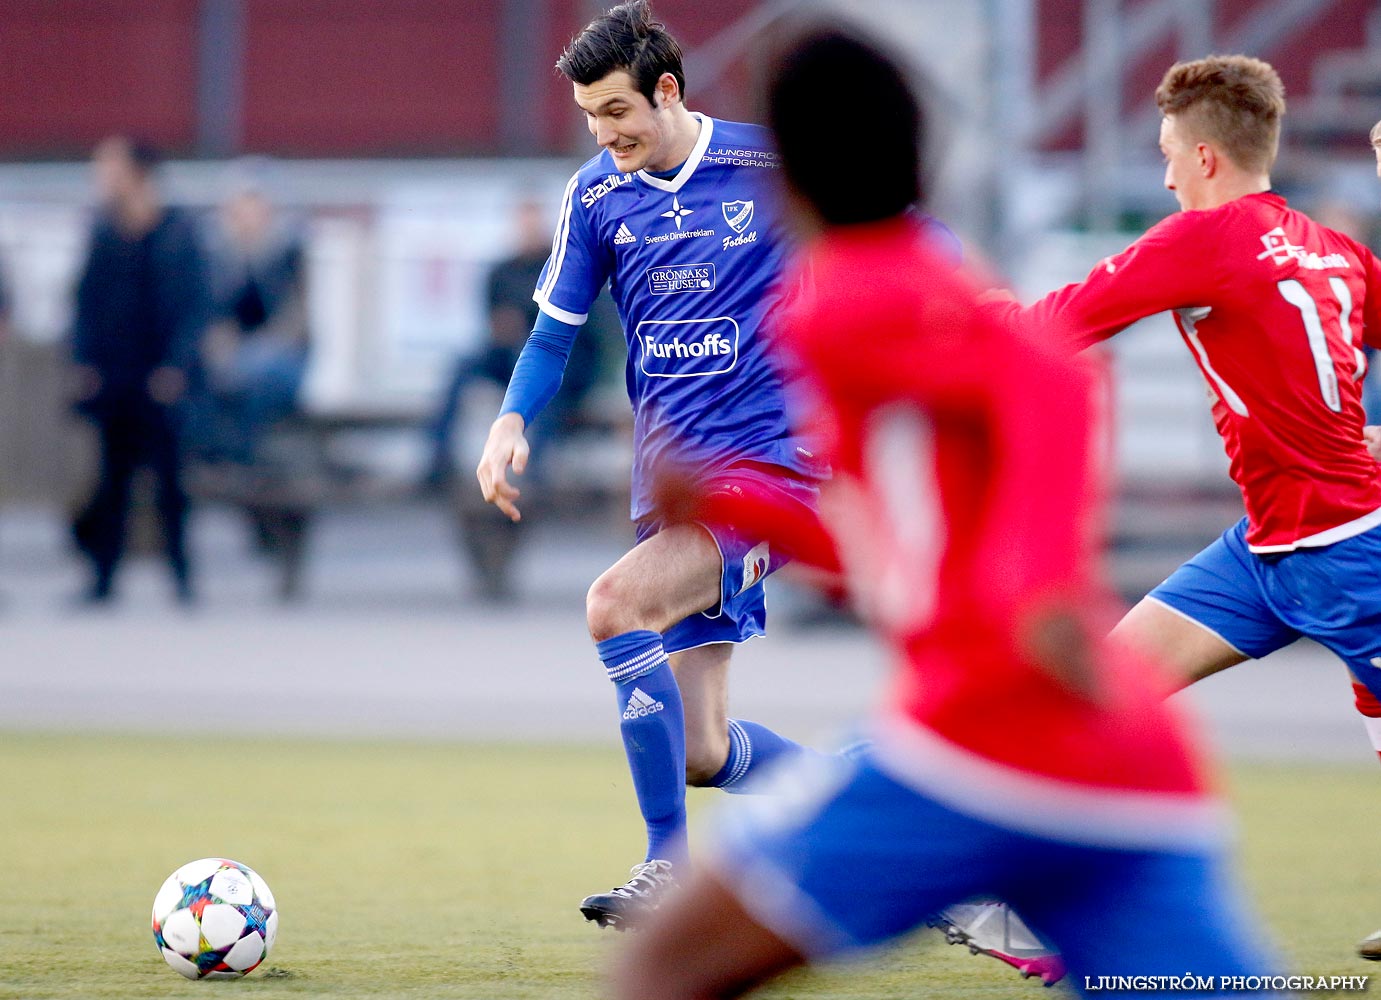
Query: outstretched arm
(1165,269)
(534,382)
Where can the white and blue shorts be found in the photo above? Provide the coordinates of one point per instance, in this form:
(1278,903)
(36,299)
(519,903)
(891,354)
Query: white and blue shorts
(1259,602)
(839,855)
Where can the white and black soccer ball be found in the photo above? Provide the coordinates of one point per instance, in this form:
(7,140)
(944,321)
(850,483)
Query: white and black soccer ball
(214,919)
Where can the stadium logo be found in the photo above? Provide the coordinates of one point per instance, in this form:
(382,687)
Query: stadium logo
(682,278)
(1282,251)
(687,348)
(738,214)
(755,565)
(641,705)
(598,190)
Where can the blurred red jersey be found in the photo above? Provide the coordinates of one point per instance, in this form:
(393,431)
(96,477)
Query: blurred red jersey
(963,508)
(1275,309)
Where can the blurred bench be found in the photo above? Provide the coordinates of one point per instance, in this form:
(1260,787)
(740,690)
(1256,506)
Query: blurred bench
(315,461)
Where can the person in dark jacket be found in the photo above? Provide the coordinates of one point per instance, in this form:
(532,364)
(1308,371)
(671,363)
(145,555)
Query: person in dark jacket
(141,308)
(256,350)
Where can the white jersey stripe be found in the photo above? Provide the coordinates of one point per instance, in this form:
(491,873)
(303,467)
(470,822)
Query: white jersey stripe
(1330,536)
(559,242)
(556,312)
(1189,319)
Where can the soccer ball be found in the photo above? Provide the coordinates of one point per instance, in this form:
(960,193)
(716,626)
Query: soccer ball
(214,919)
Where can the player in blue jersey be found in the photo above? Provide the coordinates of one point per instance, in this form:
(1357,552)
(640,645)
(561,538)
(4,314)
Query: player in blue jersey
(671,214)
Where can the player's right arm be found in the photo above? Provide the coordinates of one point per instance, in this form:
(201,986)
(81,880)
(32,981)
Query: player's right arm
(535,380)
(572,277)
(1165,269)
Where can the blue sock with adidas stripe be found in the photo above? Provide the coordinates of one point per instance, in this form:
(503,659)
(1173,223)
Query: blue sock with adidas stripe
(752,748)
(653,726)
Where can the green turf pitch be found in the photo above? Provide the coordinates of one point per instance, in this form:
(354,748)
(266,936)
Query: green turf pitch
(453,870)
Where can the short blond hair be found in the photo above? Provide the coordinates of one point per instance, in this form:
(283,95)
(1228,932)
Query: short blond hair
(1376,134)
(1236,102)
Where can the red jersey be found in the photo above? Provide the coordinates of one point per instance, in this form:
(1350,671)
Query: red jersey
(1275,309)
(962,507)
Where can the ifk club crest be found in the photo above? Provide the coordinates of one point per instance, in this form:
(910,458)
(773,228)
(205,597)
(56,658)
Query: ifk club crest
(738,214)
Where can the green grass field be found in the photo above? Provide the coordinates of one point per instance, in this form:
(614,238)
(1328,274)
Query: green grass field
(406,870)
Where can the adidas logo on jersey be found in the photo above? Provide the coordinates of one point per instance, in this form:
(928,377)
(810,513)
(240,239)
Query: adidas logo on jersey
(640,705)
(624,235)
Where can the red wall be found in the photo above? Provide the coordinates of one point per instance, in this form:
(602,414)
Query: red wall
(1060,30)
(73,71)
(336,77)
(321,77)
(403,77)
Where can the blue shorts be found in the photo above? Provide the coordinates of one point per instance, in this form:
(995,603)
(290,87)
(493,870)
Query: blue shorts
(1258,603)
(840,856)
(745,562)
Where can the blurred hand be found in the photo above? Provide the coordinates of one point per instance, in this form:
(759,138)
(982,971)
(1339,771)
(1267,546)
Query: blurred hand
(675,494)
(997,294)
(1371,437)
(166,385)
(505,447)
(1057,639)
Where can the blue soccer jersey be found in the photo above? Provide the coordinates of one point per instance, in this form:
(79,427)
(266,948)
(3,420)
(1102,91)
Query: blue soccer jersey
(692,263)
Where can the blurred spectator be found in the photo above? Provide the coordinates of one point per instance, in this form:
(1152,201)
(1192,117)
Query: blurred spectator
(491,539)
(141,311)
(256,350)
(511,313)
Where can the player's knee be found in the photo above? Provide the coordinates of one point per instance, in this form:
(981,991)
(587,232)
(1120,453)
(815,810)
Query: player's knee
(606,609)
(613,607)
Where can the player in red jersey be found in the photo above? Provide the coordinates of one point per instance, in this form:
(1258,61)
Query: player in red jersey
(1275,309)
(1017,754)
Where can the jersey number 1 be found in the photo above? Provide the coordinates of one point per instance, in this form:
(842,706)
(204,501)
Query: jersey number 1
(1294,293)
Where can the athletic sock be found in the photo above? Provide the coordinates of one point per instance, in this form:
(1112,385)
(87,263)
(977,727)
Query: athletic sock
(1370,708)
(653,727)
(752,748)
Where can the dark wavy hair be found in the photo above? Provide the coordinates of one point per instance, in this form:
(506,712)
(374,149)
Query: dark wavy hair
(624,38)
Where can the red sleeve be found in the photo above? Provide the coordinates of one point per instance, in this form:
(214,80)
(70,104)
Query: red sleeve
(1165,269)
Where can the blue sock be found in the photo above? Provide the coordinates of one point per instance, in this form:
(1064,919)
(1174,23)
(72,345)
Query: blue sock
(653,726)
(752,747)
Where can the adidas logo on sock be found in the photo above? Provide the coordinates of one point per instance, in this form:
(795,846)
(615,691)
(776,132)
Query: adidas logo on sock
(624,235)
(640,705)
